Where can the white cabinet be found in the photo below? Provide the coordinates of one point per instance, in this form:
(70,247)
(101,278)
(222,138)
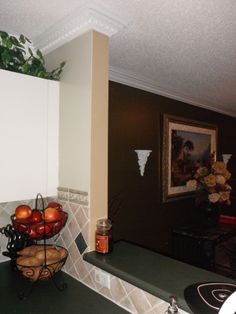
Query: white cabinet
(29,123)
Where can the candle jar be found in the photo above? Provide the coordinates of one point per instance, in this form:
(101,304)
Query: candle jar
(103,237)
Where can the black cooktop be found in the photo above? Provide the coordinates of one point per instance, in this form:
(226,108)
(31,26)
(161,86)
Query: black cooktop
(208,297)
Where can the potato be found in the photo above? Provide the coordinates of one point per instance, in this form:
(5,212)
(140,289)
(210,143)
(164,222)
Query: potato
(63,252)
(18,261)
(51,253)
(52,262)
(34,267)
(31,250)
(28,261)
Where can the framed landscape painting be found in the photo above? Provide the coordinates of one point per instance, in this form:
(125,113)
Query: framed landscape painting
(187,145)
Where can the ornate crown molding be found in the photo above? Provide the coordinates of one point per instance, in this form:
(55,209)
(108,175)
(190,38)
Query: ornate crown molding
(77,23)
(132,79)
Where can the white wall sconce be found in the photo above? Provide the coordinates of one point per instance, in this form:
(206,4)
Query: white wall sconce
(226,158)
(143,155)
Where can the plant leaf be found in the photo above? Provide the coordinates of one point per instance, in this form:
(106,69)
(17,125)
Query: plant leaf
(14,57)
(22,39)
(30,52)
(39,53)
(5,57)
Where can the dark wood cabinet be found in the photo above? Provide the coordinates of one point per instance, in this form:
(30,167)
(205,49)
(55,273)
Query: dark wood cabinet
(208,247)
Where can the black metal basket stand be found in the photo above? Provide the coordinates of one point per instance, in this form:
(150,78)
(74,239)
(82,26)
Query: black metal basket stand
(18,241)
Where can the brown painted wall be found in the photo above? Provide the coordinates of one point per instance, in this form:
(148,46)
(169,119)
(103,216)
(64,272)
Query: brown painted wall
(135,205)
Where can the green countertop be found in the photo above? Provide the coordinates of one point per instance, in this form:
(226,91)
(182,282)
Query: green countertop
(157,274)
(46,299)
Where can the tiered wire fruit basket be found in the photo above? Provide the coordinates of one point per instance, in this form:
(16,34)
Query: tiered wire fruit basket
(27,242)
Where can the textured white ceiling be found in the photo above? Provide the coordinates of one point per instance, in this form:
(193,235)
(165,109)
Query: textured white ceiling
(182,48)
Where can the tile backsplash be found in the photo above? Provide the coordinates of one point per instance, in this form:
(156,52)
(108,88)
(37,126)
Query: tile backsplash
(74,237)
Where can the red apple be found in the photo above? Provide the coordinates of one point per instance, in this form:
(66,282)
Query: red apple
(40,230)
(36,216)
(63,217)
(51,214)
(57,226)
(55,205)
(33,234)
(21,227)
(23,212)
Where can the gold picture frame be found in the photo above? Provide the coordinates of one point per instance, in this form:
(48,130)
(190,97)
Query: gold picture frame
(187,144)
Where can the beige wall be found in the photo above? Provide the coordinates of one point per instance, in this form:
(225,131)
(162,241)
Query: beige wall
(99,136)
(75,111)
(84,119)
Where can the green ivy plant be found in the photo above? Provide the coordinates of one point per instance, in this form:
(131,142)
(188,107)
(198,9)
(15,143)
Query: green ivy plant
(17,56)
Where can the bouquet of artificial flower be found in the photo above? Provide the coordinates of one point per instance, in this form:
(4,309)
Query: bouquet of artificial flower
(211,183)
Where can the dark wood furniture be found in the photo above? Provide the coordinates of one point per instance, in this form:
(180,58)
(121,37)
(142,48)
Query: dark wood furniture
(201,245)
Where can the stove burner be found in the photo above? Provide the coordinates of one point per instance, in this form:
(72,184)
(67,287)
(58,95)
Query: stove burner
(221,294)
(208,297)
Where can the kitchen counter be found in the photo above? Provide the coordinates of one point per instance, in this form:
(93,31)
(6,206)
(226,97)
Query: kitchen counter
(46,299)
(155,273)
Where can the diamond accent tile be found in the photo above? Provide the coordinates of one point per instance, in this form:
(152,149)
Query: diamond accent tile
(81,244)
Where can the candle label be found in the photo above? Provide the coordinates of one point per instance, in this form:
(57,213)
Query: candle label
(102,245)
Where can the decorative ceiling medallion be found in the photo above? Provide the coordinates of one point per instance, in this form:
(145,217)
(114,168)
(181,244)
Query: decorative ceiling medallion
(75,24)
